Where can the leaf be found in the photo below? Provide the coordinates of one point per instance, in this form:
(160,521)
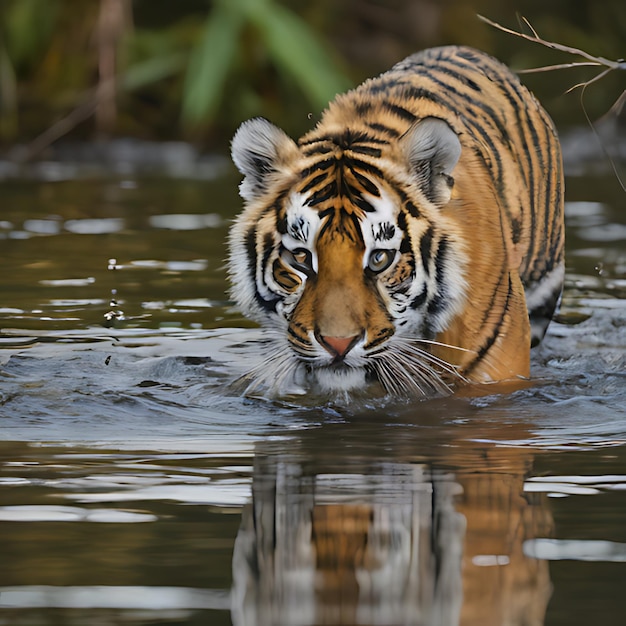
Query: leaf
(28,25)
(209,64)
(152,70)
(295,47)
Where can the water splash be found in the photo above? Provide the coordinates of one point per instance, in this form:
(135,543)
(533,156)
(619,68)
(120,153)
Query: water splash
(115,314)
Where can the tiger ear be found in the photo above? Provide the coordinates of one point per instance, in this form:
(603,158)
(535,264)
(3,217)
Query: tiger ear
(259,149)
(432,149)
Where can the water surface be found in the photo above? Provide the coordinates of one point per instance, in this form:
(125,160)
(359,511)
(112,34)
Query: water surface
(137,488)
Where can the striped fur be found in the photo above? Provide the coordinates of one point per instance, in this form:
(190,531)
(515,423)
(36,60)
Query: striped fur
(413,238)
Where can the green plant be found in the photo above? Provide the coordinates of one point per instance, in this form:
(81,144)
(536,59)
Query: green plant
(290,43)
(26,27)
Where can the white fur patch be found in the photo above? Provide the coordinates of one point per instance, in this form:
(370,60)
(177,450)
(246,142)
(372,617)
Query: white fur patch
(303,224)
(334,380)
(545,289)
(384,216)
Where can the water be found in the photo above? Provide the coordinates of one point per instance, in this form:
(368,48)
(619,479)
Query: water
(136,488)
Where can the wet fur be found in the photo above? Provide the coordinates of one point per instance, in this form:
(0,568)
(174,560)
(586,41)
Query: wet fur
(448,162)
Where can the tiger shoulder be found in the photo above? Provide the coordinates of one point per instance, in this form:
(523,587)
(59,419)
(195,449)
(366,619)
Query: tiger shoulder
(411,242)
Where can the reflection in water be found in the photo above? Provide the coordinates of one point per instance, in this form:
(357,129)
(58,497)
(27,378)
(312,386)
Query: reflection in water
(501,584)
(389,543)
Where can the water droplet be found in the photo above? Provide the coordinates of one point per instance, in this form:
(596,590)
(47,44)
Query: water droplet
(113,316)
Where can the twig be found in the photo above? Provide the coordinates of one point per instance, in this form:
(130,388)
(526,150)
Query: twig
(615,65)
(609,66)
(558,66)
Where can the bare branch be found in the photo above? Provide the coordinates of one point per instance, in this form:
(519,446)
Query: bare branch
(586,83)
(532,30)
(559,66)
(609,66)
(555,46)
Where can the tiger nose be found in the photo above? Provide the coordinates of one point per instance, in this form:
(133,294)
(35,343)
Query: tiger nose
(339,346)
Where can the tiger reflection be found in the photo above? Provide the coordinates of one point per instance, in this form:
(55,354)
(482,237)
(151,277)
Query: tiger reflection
(389,543)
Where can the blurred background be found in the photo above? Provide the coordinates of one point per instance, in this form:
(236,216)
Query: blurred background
(194,69)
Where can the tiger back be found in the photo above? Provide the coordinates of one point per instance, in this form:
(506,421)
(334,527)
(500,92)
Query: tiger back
(413,239)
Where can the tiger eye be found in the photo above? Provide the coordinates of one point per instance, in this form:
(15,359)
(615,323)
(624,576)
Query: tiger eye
(299,259)
(300,256)
(379,260)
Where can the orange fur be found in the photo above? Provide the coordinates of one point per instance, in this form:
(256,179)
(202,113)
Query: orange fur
(426,205)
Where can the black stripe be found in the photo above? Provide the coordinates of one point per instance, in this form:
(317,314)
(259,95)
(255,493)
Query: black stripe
(327,216)
(363,107)
(317,139)
(484,349)
(458,76)
(382,85)
(315,148)
(348,232)
(367,184)
(279,212)
(351,139)
(381,337)
(405,244)
(250,239)
(437,304)
(314,181)
(369,151)
(400,111)
(419,299)
(251,252)
(426,244)
(407,203)
(319,166)
(295,339)
(382,128)
(363,204)
(365,166)
(323,194)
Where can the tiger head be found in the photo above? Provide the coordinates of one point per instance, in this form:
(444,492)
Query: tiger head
(346,255)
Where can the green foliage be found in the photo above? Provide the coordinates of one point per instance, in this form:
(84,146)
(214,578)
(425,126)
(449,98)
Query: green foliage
(198,67)
(297,51)
(210,62)
(198,64)
(27,26)
(290,43)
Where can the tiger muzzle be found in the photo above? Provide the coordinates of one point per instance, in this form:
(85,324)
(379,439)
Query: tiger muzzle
(338,347)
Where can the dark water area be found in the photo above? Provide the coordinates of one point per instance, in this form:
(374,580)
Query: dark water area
(137,488)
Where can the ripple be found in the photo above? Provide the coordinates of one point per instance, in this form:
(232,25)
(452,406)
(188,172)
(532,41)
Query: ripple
(185,221)
(575,550)
(94,226)
(603,233)
(42,227)
(113,597)
(51,513)
(235,493)
(560,486)
(69,282)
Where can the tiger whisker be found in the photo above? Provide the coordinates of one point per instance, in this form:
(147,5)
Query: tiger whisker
(400,375)
(433,342)
(406,346)
(272,371)
(404,366)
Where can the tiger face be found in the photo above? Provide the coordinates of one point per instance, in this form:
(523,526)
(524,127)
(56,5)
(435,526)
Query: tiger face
(349,262)
(391,244)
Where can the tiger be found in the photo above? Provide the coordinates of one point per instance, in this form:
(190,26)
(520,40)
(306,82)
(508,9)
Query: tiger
(412,241)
